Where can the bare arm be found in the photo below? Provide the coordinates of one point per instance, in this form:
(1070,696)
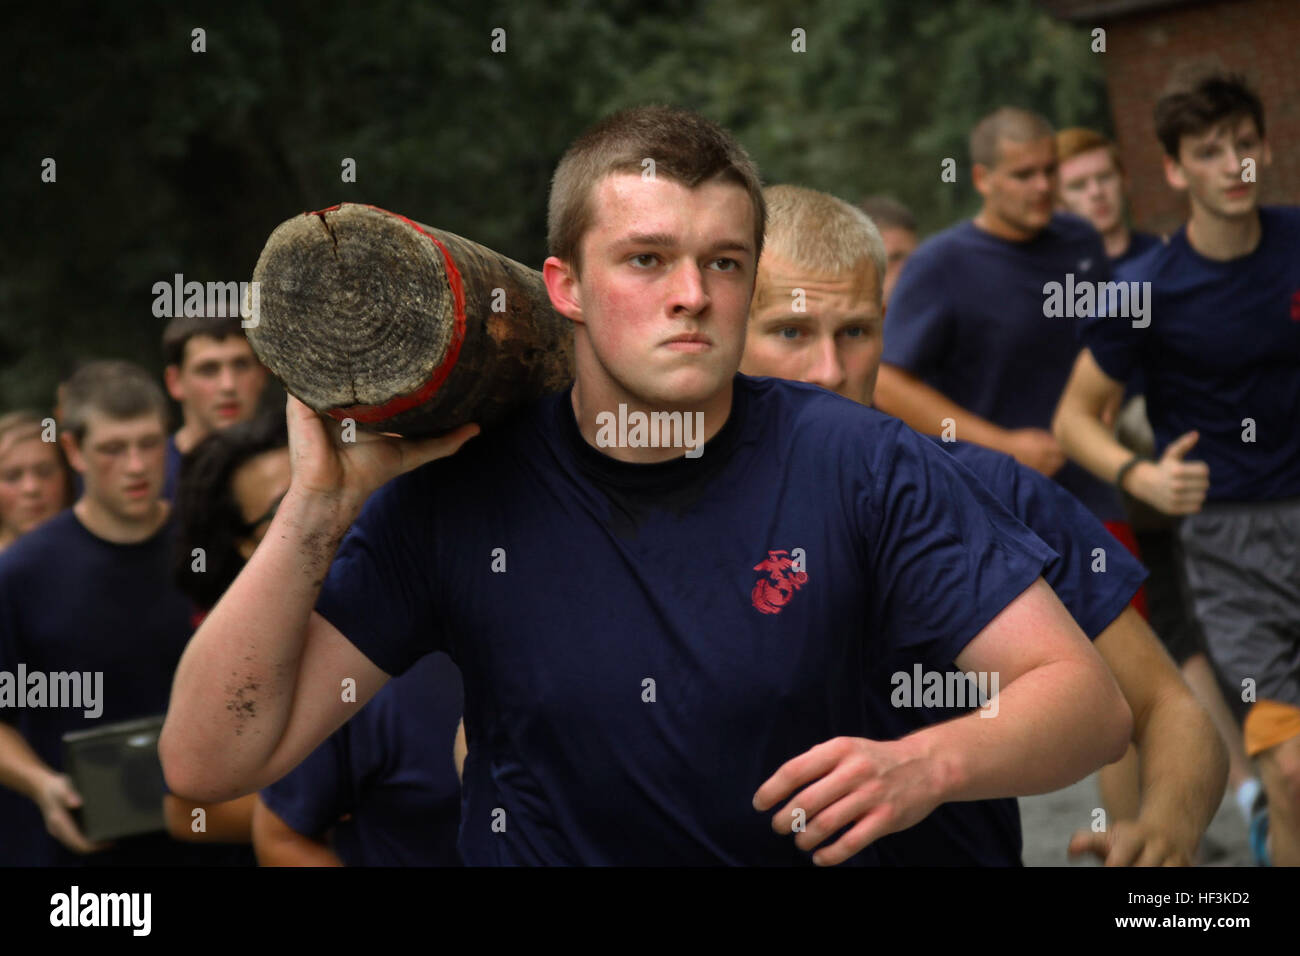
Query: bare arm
(258,687)
(903,395)
(278,844)
(1172,485)
(460,750)
(1183,763)
(1059,716)
(228,822)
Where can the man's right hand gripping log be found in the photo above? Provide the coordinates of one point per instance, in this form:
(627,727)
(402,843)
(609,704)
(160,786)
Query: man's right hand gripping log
(259,686)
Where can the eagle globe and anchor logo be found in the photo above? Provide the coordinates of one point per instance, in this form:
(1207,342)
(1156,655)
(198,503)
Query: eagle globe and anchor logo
(784,573)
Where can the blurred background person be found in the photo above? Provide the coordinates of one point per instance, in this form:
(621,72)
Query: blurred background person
(897,228)
(35,483)
(127,625)
(212,372)
(1092,184)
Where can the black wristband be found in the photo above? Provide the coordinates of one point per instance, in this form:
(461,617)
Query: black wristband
(1126,468)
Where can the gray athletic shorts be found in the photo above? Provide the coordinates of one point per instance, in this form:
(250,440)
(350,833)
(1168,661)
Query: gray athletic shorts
(1242,564)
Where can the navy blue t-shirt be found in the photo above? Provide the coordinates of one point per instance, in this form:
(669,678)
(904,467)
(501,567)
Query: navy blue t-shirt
(644,645)
(1139,243)
(1094,587)
(1222,346)
(967,319)
(172,475)
(71,601)
(391,768)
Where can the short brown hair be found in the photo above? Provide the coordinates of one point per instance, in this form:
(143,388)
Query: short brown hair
(685,147)
(1005,123)
(119,390)
(888,213)
(181,329)
(1197,102)
(1077,140)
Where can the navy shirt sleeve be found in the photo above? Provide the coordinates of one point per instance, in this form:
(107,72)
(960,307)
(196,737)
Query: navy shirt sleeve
(314,795)
(378,591)
(1113,341)
(947,556)
(1092,573)
(918,322)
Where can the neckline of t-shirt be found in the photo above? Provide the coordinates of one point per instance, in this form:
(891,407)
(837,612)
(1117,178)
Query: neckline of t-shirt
(1265,215)
(122,545)
(654,475)
(1046,234)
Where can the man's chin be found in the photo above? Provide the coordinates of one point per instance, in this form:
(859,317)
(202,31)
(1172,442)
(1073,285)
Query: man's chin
(688,387)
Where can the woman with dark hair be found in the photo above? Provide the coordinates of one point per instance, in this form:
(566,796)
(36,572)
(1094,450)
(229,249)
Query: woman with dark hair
(230,486)
(383,789)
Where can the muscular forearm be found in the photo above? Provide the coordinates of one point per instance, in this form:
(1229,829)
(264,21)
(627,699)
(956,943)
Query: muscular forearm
(234,687)
(20,768)
(925,409)
(1183,765)
(1054,725)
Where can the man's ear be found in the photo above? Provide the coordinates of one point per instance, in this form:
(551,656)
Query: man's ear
(1174,173)
(172,379)
(72,449)
(564,288)
(979,177)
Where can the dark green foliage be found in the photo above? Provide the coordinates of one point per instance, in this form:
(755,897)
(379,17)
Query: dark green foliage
(173,161)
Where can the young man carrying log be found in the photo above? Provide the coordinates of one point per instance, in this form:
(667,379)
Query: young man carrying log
(658,651)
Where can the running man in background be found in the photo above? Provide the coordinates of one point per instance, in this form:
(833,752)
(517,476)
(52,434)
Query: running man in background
(1093,185)
(970,351)
(1220,364)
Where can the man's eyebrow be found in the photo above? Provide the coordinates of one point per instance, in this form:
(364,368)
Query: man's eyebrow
(732,245)
(664,239)
(648,239)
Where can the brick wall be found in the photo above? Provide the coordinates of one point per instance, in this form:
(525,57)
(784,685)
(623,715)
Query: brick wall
(1259,38)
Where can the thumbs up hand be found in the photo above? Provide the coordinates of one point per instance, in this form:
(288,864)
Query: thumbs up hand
(1171,485)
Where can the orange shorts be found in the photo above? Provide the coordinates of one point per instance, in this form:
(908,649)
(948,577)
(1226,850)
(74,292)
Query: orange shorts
(1269,723)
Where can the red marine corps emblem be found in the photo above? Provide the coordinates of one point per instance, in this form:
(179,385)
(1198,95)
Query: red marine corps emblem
(774,591)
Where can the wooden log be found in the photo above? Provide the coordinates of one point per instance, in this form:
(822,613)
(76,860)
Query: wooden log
(365,314)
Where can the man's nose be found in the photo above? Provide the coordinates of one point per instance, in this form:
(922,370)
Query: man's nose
(826,370)
(135,459)
(688,292)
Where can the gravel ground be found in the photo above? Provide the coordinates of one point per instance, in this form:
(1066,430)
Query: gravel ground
(1050,819)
